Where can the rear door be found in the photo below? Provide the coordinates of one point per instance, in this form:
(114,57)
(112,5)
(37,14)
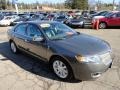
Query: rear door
(20,35)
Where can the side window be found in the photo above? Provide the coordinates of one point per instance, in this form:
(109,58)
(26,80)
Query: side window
(118,15)
(21,29)
(33,30)
(114,15)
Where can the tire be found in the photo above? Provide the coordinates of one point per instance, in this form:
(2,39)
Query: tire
(102,25)
(13,47)
(61,69)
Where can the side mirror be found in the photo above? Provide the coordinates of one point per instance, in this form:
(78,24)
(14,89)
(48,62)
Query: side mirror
(38,38)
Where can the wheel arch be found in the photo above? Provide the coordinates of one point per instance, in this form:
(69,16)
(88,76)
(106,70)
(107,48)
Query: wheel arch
(64,58)
(58,56)
(10,40)
(103,22)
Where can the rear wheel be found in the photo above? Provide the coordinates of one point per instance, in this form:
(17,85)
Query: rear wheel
(13,47)
(102,25)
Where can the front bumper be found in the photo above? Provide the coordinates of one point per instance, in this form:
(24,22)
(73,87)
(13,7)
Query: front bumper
(90,70)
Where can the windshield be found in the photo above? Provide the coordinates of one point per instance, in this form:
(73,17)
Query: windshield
(55,31)
(104,14)
(78,17)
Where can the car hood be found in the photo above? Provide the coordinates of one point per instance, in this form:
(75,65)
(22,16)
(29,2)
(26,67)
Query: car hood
(83,45)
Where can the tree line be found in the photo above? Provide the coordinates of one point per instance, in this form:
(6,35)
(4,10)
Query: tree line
(77,4)
(68,4)
(7,4)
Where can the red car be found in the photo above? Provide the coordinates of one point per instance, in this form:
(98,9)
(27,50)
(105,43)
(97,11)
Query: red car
(112,19)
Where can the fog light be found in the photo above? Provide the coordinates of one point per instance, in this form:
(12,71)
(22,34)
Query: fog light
(95,75)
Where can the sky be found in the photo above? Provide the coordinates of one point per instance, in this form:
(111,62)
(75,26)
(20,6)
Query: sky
(60,1)
(41,1)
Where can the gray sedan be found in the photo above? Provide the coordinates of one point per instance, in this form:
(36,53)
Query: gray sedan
(69,53)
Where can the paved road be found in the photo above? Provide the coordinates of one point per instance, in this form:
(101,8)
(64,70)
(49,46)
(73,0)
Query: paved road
(22,72)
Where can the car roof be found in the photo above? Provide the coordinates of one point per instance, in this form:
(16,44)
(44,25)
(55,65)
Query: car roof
(41,22)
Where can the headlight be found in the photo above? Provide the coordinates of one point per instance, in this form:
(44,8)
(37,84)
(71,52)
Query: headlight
(92,59)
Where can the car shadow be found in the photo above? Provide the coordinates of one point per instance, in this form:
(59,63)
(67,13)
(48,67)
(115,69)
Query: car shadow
(118,27)
(29,63)
(90,27)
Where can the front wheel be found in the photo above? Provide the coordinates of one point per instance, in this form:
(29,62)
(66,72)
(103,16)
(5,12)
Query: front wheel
(62,69)
(102,25)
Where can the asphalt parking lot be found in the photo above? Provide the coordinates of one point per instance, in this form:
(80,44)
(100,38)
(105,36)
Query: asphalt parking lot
(22,72)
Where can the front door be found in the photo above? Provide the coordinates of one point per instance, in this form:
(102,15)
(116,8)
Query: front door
(118,16)
(113,21)
(36,47)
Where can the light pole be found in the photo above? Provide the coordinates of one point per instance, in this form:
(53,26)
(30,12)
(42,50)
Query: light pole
(16,6)
(6,1)
(113,5)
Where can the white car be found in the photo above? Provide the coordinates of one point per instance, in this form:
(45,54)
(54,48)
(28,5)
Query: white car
(7,20)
